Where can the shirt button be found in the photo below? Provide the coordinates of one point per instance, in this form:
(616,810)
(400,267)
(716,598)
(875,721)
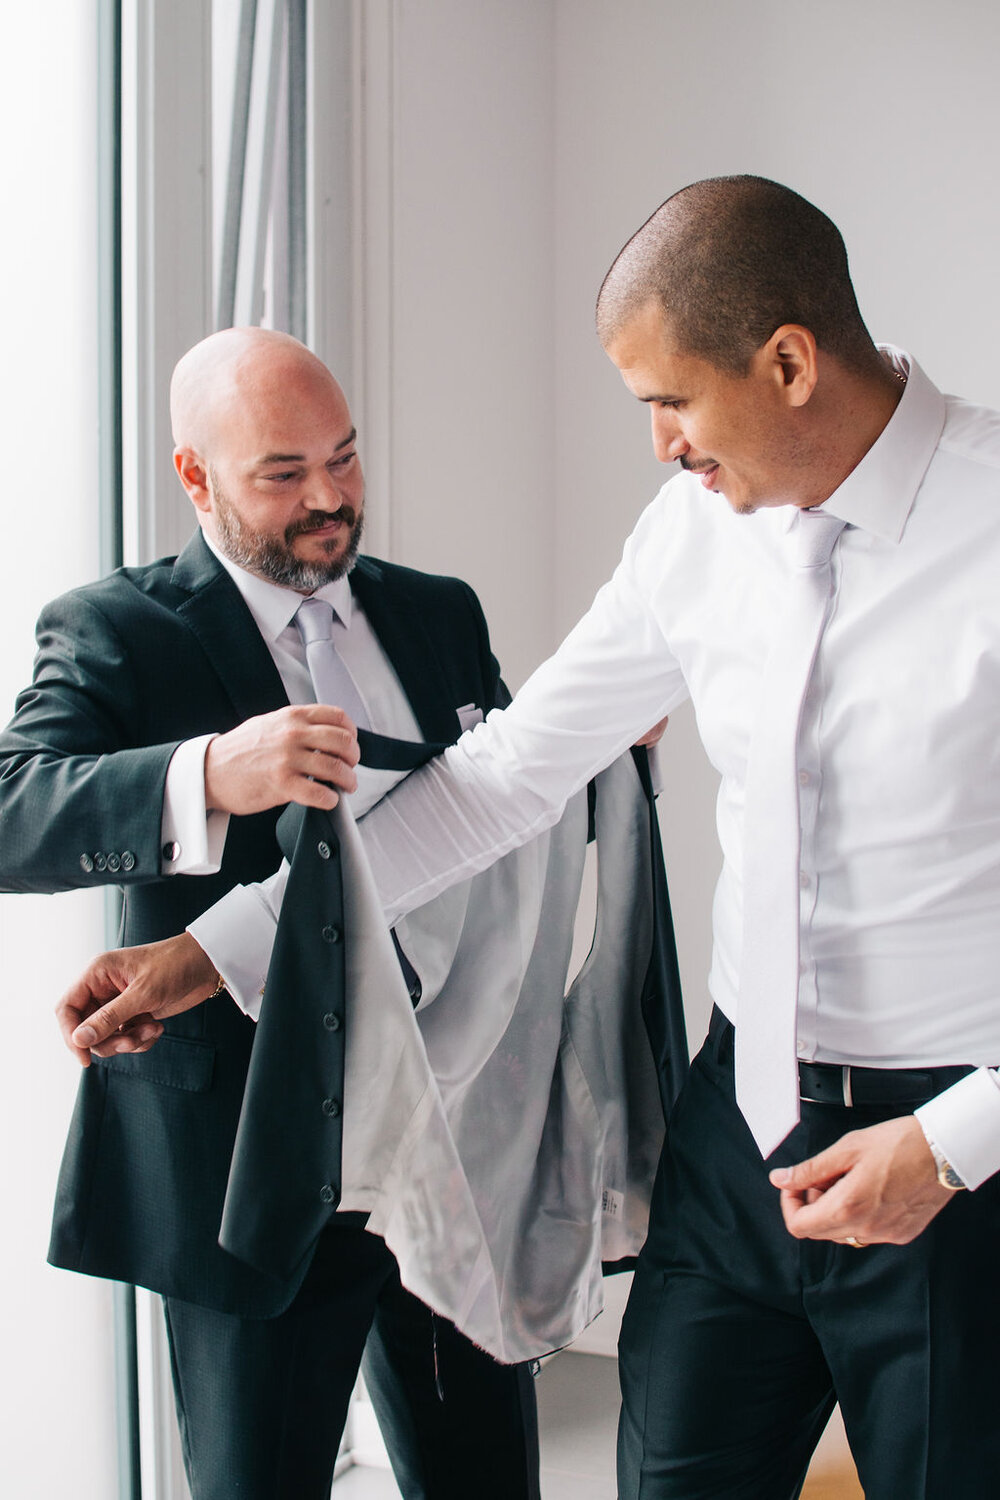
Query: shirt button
(803,880)
(331,1107)
(86,864)
(328,1194)
(323,849)
(804,778)
(331,934)
(331,1021)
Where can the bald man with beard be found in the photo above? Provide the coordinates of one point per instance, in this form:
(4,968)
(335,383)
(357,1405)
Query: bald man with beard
(170,718)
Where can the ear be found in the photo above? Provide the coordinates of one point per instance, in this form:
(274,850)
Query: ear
(193,475)
(791,354)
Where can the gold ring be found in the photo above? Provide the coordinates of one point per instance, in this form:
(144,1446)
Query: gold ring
(855,1243)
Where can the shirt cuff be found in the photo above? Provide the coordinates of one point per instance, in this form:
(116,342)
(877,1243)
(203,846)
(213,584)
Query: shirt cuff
(237,933)
(964,1122)
(192,838)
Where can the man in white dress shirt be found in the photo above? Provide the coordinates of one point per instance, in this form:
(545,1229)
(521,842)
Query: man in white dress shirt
(821,581)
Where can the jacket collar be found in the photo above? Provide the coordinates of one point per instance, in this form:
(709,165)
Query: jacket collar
(399,625)
(217,615)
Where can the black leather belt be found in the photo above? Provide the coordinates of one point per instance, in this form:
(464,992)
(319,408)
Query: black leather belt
(829,1083)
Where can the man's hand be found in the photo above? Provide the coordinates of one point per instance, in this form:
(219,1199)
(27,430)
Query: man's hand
(877,1185)
(296,754)
(653,736)
(118,1003)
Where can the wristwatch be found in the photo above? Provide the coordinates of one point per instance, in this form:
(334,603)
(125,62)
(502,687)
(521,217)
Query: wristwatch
(946,1174)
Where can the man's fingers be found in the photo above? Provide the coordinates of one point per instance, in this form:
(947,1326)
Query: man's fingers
(653,736)
(308,792)
(877,1184)
(115,1016)
(815,1172)
(138,1036)
(266,760)
(79,1002)
(337,753)
(337,736)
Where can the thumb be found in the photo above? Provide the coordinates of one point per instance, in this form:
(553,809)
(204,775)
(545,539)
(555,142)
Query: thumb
(104,1022)
(815,1171)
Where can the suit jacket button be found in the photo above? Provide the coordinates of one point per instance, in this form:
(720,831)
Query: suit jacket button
(331,1021)
(86,863)
(416,990)
(128,860)
(114,863)
(100,861)
(331,934)
(328,1194)
(331,1107)
(323,849)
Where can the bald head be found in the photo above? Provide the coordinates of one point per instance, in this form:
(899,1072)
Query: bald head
(234,373)
(728,261)
(267,452)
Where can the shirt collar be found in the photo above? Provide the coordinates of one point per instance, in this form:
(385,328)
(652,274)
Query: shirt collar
(273,605)
(878,495)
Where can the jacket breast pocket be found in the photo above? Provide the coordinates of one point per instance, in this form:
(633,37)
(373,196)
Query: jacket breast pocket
(174,1062)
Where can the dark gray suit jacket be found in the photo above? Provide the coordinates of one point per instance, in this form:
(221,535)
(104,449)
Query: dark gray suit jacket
(128,668)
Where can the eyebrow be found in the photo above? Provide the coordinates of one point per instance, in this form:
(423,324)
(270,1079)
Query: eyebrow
(298,458)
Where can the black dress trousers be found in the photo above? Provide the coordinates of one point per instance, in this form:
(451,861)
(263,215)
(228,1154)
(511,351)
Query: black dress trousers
(738,1338)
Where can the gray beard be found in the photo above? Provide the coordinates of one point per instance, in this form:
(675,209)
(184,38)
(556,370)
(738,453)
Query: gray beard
(272,557)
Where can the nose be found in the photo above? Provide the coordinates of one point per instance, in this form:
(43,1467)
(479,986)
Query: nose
(668,440)
(325,493)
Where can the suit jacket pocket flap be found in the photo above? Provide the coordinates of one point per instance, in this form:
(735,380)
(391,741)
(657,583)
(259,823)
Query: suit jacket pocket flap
(175,1062)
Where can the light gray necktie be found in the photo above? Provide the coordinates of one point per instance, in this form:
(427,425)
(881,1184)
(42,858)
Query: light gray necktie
(332,682)
(766,1065)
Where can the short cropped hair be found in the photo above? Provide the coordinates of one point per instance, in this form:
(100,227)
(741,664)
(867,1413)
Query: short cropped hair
(730,260)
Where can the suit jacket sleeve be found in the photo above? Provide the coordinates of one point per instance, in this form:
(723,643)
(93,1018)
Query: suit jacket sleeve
(74,784)
(497,692)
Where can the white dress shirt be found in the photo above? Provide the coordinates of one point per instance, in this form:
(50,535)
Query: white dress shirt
(898,754)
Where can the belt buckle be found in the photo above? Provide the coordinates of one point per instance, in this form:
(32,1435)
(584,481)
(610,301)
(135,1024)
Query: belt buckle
(845,1078)
(846,1089)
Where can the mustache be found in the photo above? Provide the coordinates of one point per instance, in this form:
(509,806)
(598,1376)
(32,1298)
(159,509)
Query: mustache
(702,467)
(318,519)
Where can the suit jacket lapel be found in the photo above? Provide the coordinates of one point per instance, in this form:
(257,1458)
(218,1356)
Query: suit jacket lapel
(406,643)
(217,615)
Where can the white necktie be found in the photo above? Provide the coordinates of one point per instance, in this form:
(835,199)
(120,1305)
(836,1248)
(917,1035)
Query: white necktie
(331,680)
(766,1066)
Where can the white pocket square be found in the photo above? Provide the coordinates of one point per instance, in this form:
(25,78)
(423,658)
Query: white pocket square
(469,715)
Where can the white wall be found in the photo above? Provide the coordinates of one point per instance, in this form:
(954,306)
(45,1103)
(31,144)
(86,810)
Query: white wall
(56,1416)
(470,382)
